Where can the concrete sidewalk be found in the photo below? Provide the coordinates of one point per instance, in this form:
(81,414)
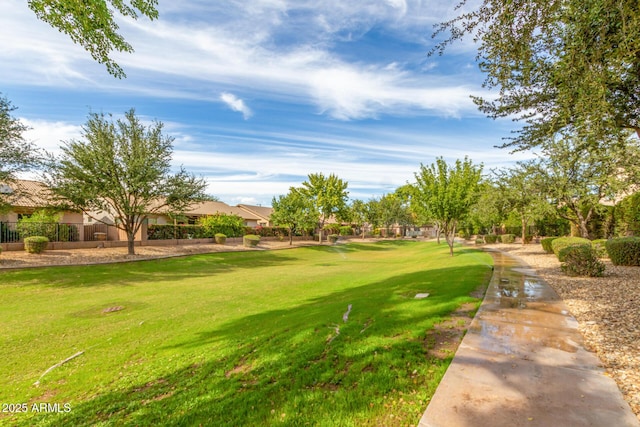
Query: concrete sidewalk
(522,363)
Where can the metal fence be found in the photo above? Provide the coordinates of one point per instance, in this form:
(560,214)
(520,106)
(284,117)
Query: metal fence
(15,232)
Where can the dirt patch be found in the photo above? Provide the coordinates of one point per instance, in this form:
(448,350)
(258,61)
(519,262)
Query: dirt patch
(443,340)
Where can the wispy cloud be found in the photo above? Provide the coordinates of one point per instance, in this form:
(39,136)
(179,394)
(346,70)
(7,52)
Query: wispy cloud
(236,104)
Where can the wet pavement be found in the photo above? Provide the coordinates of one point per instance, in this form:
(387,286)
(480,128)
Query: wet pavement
(522,363)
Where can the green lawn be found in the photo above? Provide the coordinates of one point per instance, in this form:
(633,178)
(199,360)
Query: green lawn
(239,338)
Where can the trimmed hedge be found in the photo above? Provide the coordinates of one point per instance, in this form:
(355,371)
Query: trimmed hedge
(507,238)
(35,244)
(624,251)
(333,238)
(581,261)
(546,244)
(250,240)
(564,242)
(170,231)
(490,238)
(220,238)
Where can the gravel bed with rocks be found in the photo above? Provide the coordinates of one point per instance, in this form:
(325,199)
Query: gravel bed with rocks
(606,308)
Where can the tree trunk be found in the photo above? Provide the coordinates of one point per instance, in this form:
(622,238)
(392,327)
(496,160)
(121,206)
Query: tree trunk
(130,243)
(524,228)
(290,236)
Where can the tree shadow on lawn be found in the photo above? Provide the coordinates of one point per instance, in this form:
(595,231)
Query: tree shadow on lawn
(145,271)
(291,366)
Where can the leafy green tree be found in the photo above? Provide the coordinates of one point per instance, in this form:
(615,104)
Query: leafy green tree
(293,211)
(569,65)
(16,154)
(490,210)
(328,195)
(394,210)
(447,193)
(578,180)
(521,191)
(364,214)
(123,168)
(91,24)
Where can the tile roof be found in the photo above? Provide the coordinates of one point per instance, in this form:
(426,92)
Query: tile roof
(27,194)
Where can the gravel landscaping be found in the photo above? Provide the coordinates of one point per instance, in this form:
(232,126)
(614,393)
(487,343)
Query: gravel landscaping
(607,308)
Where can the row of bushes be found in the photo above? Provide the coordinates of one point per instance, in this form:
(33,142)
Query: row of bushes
(621,250)
(580,257)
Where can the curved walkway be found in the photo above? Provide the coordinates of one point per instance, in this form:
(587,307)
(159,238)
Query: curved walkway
(522,363)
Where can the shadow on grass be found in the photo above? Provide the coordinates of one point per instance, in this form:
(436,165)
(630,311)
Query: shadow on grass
(145,271)
(292,367)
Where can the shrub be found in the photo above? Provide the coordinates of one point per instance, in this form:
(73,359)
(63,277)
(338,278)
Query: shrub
(35,244)
(220,238)
(463,234)
(508,238)
(346,230)
(229,225)
(546,244)
(479,240)
(170,231)
(250,240)
(563,242)
(598,245)
(490,238)
(333,238)
(581,261)
(528,238)
(624,250)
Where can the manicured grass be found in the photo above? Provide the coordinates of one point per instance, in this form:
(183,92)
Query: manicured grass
(233,339)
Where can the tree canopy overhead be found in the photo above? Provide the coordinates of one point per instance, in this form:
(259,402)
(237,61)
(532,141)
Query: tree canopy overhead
(92,25)
(570,65)
(123,168)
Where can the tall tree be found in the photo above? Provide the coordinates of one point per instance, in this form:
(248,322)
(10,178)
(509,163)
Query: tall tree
(558,65)
(123,168)
(447,193)
(327,194)
(91,24)
(523,194)
(16,154)
(293,211)
(578,181)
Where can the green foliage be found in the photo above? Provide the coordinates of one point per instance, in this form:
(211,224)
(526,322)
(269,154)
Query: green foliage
(599,245)
(125,168)
(333,238)
(581,261)
(628,216)
(624,250)
(170,231)
(564,242)
(35,244)
(220,238)
(327,195)
(507,238)
(490,238)
(346,230)
(91,24)
(479,240)
(250,240)
(447,193)
(294,211)
(230,225)
(45,223)
(546,244)
(574,63)
(528,238)
(16,154)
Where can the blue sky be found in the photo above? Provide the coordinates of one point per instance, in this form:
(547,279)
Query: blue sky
(260,94)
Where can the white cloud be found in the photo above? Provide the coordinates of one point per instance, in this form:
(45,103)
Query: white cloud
(236,104)
(49,135)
